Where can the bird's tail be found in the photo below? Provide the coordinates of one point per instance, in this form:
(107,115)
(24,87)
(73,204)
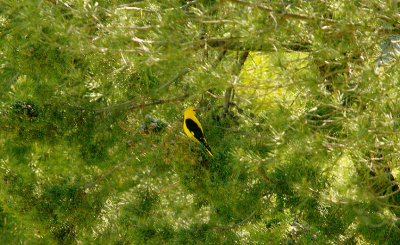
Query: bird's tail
(208,148)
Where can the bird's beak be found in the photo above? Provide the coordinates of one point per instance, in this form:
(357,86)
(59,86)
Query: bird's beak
(195,109)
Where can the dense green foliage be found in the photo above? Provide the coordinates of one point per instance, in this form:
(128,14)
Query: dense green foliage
(299,101)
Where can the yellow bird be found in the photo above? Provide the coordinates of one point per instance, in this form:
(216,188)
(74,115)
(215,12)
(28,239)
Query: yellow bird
(193,129)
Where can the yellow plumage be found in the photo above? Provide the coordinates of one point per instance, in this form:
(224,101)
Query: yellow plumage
(192,128)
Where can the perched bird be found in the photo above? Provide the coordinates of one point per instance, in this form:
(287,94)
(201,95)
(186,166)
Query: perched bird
(193,129)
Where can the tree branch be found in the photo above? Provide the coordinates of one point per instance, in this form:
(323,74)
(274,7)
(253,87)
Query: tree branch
(265,177)
(131,106)
(227,101)
(229,92)
(280,14)
(13,79)
(158,102)
(108,173)
(238,224)
(138,9)
(168,187)
(221,55)
(241,46)
(244,133)
(182,73)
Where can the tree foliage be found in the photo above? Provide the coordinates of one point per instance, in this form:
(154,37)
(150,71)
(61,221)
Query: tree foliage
(298,99)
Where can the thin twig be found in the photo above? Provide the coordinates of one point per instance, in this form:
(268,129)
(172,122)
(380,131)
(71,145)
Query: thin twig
(130,7)
(114,107)
(218,21)
(283,15)
(238,224)
(230,90)
(13,79)
(148,27)
(182,73)
(104,49)
(108,173)
(227,101)
(138,9)
(265,177)
(221,55)
(165,188)
(242,60)
(159,102)
(243,46)
(244,133)
(390,194)
(159,191)
(183,6)
(188,4)
(130,4)
(129,104)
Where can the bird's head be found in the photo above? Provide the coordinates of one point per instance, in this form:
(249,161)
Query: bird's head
(190,111)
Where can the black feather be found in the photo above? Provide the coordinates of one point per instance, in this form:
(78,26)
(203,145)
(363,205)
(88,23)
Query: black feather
(195,129)
(197,132)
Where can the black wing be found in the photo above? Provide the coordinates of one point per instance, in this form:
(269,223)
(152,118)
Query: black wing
(197,132)
(195,129)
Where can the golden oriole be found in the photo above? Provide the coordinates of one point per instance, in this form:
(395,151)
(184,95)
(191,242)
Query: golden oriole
(193,129)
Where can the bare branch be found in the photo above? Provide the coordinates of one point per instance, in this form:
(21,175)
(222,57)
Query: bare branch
(283,15)
(183,6)
(242,59)
(103,176)
(218,21)
(243,133)
(138,9)
(114,107)
(200,43)
(229,92)
(130,4)
(168,187)
(130,105)
(132,27)
(238,224)
(130,7)
(13,79)
(158,102)
(182,73)
(228,96)
(104,49)
(242,46)
(221,55)
(265,177)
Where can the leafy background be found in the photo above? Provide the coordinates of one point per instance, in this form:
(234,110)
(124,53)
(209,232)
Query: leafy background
(299,101)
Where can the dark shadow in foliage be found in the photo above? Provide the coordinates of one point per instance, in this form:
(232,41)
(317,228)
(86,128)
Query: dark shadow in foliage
(220,170)
(66,209)
(25,110)
(138,219)
(373,219)
(204,234)
(61,207)
(323,119)
(145,203)
(18,150)
(285,178)
(328,221)
(91,132)
(11,230)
